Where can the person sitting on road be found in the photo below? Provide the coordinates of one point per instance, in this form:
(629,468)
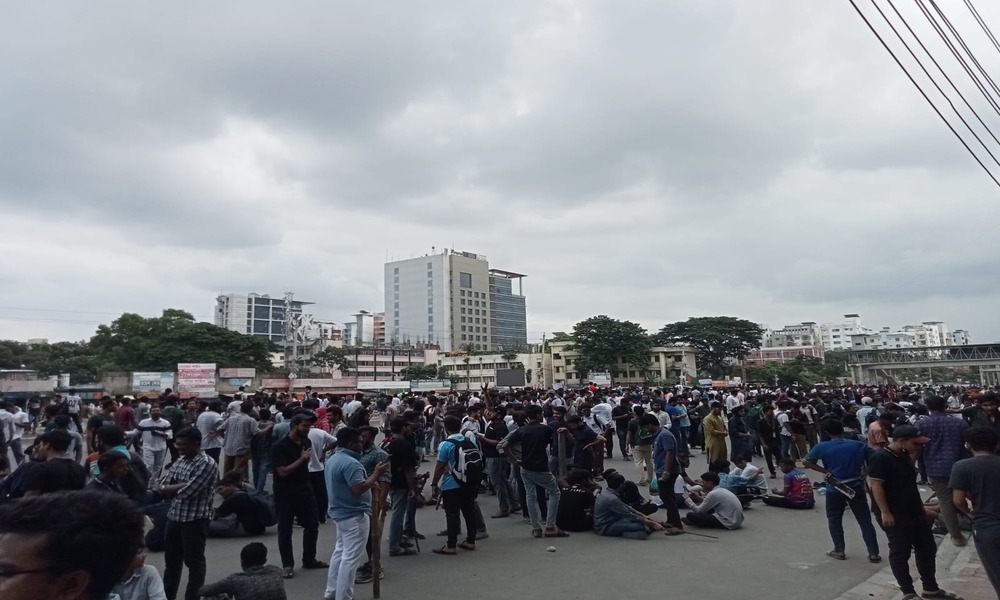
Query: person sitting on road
(612,517)
(239,515)
(718,508)
(576,503)
(798,491)
(257,581)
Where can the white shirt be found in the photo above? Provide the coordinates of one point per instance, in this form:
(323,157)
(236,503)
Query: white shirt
(234,406)
(603,413)
(782,419)
(753,475)
(732,402)
(319,440)
(151,441)
(20,417)
(208,422)
(8,424)
(351,407)
(73,404)
(727,507)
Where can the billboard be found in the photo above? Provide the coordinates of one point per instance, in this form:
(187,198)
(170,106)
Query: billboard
(152,383)
(237,373)
(600,378)
(383,385)
(430,385)
(275,384)
(314,383)
(510,377)
(196,379)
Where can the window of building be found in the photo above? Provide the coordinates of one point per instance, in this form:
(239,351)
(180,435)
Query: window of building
(463,327)
(430,266)
(396,270)
(430,284)
(462,301)
(558,369)
(430,309)
(465,280)
(463,336)
(463,319)
(477,311)
(463,311)
(461,292)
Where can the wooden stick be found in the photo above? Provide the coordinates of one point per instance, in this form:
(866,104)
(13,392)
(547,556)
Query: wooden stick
(378,520)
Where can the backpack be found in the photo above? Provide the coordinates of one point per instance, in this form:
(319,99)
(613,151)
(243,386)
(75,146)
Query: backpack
(265,503)
(468,467)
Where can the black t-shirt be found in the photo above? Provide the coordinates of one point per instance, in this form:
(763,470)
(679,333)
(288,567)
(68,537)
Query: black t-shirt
(534,438)
(556,426)
(620,411)
(247,512)
(97,421)
(582,437)
(496,430)
(283,453)
(899,478)
(576,509)
(402,457)
(56,475)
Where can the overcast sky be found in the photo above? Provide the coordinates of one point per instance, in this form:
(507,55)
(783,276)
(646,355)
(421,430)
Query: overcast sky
(651,161)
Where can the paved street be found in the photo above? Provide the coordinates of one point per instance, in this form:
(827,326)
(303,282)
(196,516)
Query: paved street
(777,551)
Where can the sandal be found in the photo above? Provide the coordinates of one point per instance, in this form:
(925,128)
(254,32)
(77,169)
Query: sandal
(445,550)
(837,554)
(467,546)
(288,573)
(941,594)
(556,533)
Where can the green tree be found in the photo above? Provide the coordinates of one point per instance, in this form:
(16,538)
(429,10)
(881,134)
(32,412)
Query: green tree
(509,356)
(330,357)
(419,372)
(443,372)
(602,342)
(75,358)
(715,339)
(136,343)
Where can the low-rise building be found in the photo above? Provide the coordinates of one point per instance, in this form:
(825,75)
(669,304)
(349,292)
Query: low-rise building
(668,365)
(781,354)
(470,371)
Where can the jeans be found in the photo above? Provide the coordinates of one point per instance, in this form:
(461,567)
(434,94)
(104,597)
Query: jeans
(622,436)
(261,466)
(624,525)
(184,543)
(348,554)
(497,469)
(947,503)
(238,462)
(782,502)
(532,481)
(397,510)
(836,503)
(642,456)
(770,454)
(916,537)
(153,459)
(458,504)
(669,499)
(318,481)
(290,504)
(15,448)
(786,444)
(988,547)
(709,521)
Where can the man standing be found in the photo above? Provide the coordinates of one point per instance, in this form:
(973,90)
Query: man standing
(349,489)
(715,434)
(371,457)
(845,461)
(21,423)
(535,438)
(899,510)
(621,414)
(73,405)
(497,467)
(155,433)
(947,439)
(667,467)
(190,484)
(106,416)
(125,415)
(208,424)
(975,479)
(458,497)
(239,430)
(403,484)
(293,494)
(641,443)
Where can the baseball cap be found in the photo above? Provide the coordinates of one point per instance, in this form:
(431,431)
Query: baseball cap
(909,432)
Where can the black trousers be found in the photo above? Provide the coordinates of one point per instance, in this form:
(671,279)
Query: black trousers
(622,436)
(709,521)
(670,500)
(906,537)
(460,503)
(214,453)
(291,505)
(609,443)
(770,453)
(184,544)
(318,481)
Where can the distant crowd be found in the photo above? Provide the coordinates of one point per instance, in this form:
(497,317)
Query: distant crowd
(138,474)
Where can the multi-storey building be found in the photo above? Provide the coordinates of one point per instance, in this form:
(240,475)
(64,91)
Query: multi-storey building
(255,314)
(837,336)
(792,336)
(668,365)
(960,337)
(446,299)
(508,311)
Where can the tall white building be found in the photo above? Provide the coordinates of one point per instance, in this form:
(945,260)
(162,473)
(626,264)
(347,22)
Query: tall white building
(837,336)
(445,299)
(255,314)
(804,334)
(960,337)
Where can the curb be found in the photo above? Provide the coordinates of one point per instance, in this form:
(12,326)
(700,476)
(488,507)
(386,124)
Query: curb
(952,565)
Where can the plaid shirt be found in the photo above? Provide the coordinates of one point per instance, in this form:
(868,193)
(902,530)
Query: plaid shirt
(239,430)
(194,500)
(370,458)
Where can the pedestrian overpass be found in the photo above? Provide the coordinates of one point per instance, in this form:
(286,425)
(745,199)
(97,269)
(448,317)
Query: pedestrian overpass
(865,365)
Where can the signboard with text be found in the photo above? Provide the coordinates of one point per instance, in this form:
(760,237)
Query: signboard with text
(152,383)
(237,373)
(197,379)
(430,385)
(383,385)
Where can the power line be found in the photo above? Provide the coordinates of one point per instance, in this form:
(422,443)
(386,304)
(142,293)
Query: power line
(922,92)
(982,24)
(965,47)
(929,76)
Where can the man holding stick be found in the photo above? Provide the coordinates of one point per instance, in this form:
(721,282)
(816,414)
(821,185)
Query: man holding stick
(349,490)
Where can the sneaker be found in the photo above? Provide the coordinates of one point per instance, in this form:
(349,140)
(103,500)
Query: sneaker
(416,535)
(482,535)
(406,543)
(364,577)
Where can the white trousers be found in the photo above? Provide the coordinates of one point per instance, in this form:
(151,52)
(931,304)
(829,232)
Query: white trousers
(348,554)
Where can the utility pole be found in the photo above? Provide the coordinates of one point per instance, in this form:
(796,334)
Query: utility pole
(290,353)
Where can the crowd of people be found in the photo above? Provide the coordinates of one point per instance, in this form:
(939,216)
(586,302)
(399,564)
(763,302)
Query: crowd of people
(285,461)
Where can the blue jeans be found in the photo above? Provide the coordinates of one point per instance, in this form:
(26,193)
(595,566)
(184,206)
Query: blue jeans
(498,470)
(261,465)
(836,503)
(786,443)
(532,481)
(624,525)
(397,510)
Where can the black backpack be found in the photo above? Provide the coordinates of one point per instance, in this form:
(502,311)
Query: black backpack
(265,503)
(468,467)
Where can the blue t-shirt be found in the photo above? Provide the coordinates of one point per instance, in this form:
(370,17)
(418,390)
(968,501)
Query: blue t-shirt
(663,443)
(343,471)
(843,458)
(448,453)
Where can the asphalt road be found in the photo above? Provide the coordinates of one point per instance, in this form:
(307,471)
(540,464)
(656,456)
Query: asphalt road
(778,552)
